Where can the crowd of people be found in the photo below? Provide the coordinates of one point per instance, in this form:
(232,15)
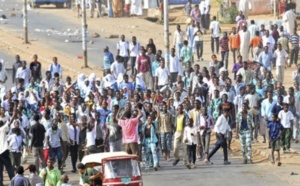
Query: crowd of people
(152,107)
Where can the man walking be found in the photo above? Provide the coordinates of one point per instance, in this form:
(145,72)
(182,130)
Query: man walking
(244,120)
(221,128)
(294,41)
(123,50)
(38,135)
(178,39)
(215,30)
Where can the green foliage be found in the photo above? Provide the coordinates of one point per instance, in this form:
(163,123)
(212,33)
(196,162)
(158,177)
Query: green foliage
(230,15)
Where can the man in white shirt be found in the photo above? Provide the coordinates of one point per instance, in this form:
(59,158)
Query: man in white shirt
(55,68)
(268,40)
(179,37)
(174,66)
(23,73)
(289,18)
(245,6)
(123,50)
(205,14)
(134,48)
(162,75)
(281,61)
(221,128)
(286,119)
(215,30)
(4,152)
(117,67)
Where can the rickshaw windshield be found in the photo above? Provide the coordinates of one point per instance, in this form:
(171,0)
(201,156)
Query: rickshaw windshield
(121,168)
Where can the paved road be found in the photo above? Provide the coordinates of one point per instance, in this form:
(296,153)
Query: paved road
(54,30)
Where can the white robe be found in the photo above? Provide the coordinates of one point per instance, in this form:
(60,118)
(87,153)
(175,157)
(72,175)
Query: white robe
(244,6)
(136,7)
(245,42)
(289,18)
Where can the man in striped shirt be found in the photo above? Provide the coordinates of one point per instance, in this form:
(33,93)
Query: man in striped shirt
(224,43)
(294,51)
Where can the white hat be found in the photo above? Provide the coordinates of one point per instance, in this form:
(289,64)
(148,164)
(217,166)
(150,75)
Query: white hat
(222,70)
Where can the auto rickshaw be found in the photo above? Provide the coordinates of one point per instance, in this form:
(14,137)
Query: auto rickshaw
(118,168)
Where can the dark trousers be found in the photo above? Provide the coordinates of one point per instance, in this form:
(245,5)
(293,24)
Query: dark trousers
(65,151)
(5,161)
(191,152)
(56,153)
(100,142)
(125,61)
(15,159)
(74,155)
(214,40)
(174,76)
(221,142)
(294,56)
(132,59)
(225,55)
(199,48)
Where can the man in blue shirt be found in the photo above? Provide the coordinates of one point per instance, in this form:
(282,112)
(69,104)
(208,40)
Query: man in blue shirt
(278,107)
(274,130)
(266,111)
(265,58)
(108,58)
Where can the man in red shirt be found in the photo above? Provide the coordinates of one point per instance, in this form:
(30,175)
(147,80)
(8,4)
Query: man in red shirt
(144,67)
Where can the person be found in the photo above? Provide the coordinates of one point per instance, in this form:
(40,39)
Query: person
(74,140)
(19,178)
(294,40)
(55,68)
(23,73)
(38,136)
(4,151)
(123,50)
(198,42)
(186,54)
(144,68)
(245,42)
(190,139)
(265,58)
(196,15)
(166,126)
(178,39)
(162,75)
(65,145)
(206,126)
(136,8)
(215,30)
(149,142)
(286,118)
(244,120)
(129,135)
(180,123)
(245,6)
(65,180)
(34,178)
(35,68)
(15,143)
(205,14)
(113,131)
(54,140)
(89,176)
(254,42)
(289,19)
(246,73)
(50,174)
(174,66)
(281,62)
(117,68)
(241,23)
(108,58)
(15,67)
(221,127)
(224,44)
(253,28)
(234,44)
(152,46)
(3,76)
(188,8)
(275,129)
(268,40)
(134,48)
(190,34)
(266,111)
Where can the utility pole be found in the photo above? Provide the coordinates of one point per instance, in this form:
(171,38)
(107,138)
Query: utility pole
(166,30)
(84,31)
(25,22)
